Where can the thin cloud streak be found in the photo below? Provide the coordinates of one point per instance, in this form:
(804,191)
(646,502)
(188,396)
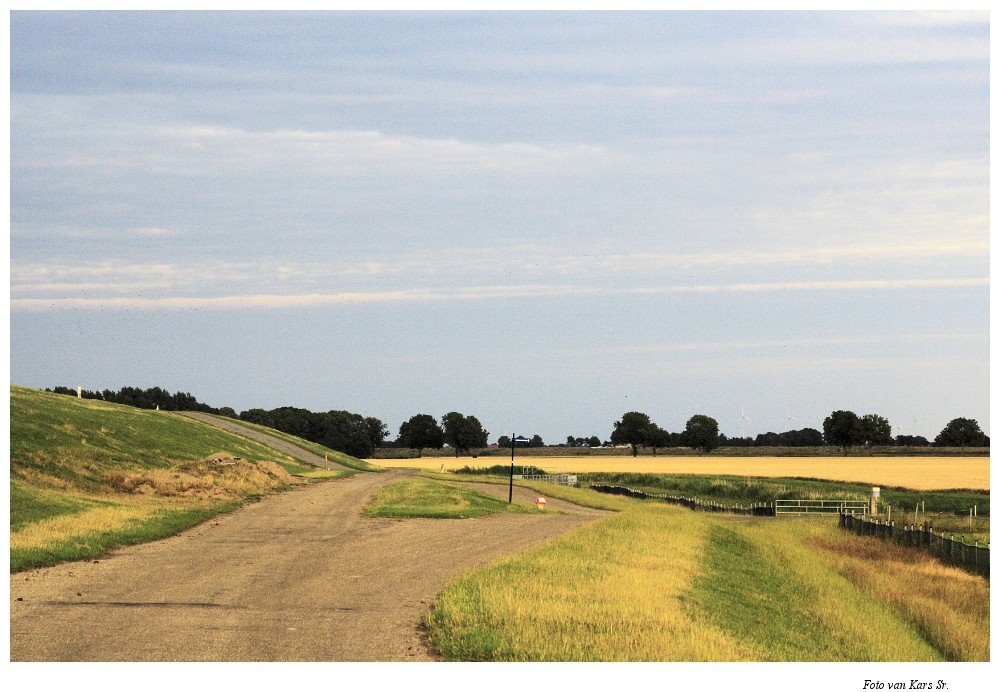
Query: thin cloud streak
(484,259)
(702,347)
(274,301)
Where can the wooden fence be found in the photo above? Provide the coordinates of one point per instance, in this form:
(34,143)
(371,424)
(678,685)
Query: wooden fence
(973,558)
(759,509)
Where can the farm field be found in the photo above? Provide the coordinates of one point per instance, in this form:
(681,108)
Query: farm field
(918,473)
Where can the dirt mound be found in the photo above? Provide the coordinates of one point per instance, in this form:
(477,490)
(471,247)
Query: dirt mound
(224,458)
(278,471)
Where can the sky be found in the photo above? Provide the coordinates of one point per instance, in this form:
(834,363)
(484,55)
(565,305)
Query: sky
(544,220)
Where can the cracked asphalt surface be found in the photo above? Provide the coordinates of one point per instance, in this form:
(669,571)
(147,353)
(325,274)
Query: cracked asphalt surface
(299,576)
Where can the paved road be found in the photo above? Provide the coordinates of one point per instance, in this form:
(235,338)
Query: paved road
(271,441)
(300,576)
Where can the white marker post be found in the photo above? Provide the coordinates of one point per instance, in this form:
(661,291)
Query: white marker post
(874,501)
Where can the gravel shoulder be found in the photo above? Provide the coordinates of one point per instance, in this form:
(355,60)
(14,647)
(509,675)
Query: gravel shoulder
(299,576)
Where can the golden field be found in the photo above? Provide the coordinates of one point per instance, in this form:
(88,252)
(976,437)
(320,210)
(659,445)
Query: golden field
(917,473)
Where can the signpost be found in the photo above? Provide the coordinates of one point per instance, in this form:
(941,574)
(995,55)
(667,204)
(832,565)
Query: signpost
(514,439)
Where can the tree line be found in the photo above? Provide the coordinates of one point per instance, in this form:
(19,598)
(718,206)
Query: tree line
(359,435)
(844,429)
(154,397)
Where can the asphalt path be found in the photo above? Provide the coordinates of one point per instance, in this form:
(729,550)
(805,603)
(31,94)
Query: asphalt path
(303,455)
(299,576)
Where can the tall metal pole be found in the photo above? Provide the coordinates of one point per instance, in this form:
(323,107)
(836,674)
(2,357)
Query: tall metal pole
(510,492)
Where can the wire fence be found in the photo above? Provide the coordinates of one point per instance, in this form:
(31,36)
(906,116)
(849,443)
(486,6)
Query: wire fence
(974,558)
(757,509)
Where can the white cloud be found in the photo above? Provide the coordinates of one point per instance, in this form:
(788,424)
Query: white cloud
(257,301)
(525,265)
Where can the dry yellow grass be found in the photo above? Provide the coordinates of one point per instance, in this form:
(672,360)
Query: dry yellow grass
(950,607)
(917,473)
(81,525)
(609,592)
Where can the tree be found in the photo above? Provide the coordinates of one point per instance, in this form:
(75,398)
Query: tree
(536,441)
(961,432)
(657,437)
(421,432)
(377,431)
(632,429)
(873,430)
(701,432)
(258,416)
(571,441)
(841,429)
(463,432)
(503,441)
(594,441)
(912,441)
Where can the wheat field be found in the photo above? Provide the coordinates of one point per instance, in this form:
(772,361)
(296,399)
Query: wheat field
(917,473)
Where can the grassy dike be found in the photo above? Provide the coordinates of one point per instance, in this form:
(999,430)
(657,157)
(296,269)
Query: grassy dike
(87,476)
(661,583)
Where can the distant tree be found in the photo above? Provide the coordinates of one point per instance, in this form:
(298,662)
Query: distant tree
(632,430)
(536,441)
(912,441)
(341,430)
(873,430)
(701,432)
(421,432)
(377,431)
(961,432)
(258,416)
(463,433)
(840,429)
(657,437)
(807,437)
(571,441)
(304,423)
(228,412)
(503,441)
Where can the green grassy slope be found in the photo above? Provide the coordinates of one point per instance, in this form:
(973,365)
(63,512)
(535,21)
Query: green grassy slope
(88,475)
(58,437)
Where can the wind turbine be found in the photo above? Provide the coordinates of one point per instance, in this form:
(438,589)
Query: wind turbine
(743,417)
(788,419)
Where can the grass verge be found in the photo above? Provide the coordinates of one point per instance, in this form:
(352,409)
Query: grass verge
(578,496)
(136,525)
(661,583)
(422,497)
